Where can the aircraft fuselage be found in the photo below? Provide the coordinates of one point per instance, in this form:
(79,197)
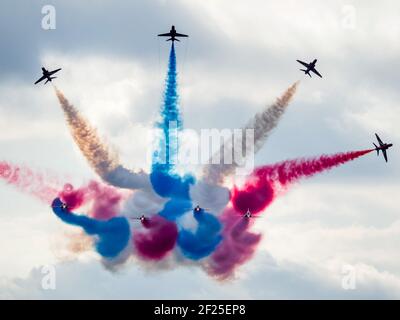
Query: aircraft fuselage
(385,146)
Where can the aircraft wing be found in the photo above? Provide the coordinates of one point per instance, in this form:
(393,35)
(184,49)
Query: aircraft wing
(379,139)
(181,35)
(54,71)
(384,154)
(303,63)
(316,72)
(41,79)
(165,34)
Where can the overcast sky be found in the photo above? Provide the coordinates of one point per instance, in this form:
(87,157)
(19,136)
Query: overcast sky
(239,57)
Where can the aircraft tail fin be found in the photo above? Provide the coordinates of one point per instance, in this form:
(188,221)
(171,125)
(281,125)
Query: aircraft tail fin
(49,79)
(171,39)
(306,72)
(377,149)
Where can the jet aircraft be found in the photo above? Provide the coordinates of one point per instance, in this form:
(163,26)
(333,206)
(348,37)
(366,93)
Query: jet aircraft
(173,35)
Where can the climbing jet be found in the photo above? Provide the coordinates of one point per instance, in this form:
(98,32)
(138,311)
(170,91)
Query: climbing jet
(63,206)
(141,218)
(47,75)
(172,34)
(249,215)
(199,209)
(382,146)
(310,67)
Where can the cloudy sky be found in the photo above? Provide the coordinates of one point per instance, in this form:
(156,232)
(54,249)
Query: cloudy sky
(240,56)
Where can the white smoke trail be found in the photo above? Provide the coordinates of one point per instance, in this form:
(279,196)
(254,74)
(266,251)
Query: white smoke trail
(262,123)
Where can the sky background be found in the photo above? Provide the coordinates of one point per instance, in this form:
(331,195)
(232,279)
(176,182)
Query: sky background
(239,57)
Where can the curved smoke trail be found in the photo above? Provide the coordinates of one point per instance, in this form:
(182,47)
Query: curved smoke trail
(112,236)
(105,201)
(201,243)
(158,239)
(262,123)
(238,246)
(97,153)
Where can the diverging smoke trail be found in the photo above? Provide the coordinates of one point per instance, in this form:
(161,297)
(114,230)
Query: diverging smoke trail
(239,243)
(262,124)
(290,171)
(112,236)
(97,153)
(42,186)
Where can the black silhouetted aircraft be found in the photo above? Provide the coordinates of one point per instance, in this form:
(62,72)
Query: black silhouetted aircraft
(310,67)
(172,34)
(47,75)
(382,146)
(199,209)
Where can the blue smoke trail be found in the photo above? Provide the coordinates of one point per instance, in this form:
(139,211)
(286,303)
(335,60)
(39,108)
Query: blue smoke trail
(204,240)
(175,208)
(165,181)
(171,122)
(113,235)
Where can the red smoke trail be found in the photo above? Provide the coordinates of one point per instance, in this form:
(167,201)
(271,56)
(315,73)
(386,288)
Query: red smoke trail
(259,191)
(42,186)
(158,240)
(105,200)
(263,184)
(288,171)
(237,247)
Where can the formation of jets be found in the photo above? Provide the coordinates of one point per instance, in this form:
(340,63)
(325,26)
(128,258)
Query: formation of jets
(382,147)
(173,35)
(47,75)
